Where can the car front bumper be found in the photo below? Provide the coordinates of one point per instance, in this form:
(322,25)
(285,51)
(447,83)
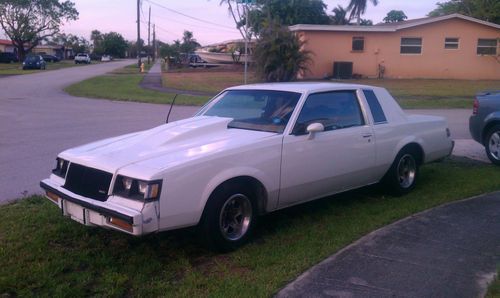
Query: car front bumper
(91,212)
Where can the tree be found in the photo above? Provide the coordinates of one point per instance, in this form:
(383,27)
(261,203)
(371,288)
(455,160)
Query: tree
(279,56)
(486,10)
(189,44)
(96,38)
(114,44)
(286,13)
(340,16)
(78,44)
(395,16)
(358,8)
(365,22)
(28,22)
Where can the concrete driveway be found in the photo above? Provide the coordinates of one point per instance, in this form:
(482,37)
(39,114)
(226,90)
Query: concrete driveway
(38,120)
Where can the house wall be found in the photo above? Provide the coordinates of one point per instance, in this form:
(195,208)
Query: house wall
(384,48)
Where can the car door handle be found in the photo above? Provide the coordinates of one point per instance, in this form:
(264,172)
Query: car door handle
(368,135)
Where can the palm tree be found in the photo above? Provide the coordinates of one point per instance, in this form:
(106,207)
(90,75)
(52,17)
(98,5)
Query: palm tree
(279,55)
(358,8)
(340,16)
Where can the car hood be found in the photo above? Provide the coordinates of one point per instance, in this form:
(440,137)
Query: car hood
(167,145)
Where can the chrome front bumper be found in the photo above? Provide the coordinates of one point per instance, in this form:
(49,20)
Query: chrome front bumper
(92,212)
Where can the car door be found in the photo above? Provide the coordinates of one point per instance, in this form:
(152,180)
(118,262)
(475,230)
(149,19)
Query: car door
(339,158)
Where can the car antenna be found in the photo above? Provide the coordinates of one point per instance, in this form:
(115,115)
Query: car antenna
(171,105)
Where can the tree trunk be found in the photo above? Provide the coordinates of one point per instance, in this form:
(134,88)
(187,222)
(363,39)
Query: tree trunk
(20,51)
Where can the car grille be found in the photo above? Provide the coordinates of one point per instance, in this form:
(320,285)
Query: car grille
(88,182)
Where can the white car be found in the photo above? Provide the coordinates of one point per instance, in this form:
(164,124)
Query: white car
(105,58)
(82,58)
(251,150)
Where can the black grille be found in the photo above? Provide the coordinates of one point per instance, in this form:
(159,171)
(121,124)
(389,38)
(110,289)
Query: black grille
(88,182)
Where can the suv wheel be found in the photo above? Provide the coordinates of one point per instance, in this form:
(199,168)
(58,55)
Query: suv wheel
(492,144)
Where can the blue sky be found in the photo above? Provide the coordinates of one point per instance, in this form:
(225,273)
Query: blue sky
(120,16)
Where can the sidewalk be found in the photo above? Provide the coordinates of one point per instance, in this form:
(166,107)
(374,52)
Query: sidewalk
(153,81)
(449,251)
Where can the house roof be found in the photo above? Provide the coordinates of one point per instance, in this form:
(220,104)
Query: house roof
(5,42)
(390,27)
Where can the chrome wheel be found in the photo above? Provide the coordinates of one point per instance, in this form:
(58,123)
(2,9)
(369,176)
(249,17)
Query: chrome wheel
(494,145)
(235,217)
(406,171)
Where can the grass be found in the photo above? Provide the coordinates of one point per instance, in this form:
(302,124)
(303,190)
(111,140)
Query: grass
(211,82)
(44,254)
(494,288)
(17,68)
(123,84)
(426,93)
(410,93)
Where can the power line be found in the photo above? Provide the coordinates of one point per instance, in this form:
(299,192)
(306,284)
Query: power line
(197,26)
(187,16)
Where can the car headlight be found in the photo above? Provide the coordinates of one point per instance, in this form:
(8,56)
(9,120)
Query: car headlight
(137,189)
(61,167)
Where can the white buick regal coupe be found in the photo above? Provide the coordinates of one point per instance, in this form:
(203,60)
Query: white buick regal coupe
(251,150)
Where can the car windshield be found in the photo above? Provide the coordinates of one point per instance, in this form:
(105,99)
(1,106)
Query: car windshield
(262,110)
(31,59)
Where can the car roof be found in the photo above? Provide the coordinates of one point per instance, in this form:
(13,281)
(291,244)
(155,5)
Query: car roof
(300,87)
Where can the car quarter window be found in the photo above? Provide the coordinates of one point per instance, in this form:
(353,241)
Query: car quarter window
(335,110)
(375,108)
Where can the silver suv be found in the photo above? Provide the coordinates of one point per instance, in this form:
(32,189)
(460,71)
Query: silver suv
(82,58)
(484,124)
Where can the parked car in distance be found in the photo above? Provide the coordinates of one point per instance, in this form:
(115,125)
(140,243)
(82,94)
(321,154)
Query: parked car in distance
(82,58)
(484,124)
(50,58)
(106,58)
(8,58)
(34,62)
(251,150)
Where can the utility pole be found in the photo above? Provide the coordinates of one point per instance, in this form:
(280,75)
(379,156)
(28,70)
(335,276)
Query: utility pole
(154,42)
(138,33)
(149,34)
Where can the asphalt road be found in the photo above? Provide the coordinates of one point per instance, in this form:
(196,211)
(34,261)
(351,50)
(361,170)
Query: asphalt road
(38,120)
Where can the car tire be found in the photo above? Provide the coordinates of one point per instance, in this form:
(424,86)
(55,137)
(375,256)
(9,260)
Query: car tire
(229,218)
(492,144)
(403,173)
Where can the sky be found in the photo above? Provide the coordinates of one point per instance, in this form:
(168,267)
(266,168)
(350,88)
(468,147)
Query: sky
(209,22)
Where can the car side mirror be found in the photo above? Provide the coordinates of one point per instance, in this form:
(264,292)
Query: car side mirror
(314,128)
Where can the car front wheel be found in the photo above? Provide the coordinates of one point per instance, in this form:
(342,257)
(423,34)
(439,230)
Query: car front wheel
(402,176)
(492,144)
(229,218)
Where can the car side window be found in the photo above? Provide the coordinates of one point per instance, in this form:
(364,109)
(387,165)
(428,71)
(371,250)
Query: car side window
(334,109)
(375,108)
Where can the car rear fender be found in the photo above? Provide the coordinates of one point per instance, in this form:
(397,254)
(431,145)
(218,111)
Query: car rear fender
(410,141)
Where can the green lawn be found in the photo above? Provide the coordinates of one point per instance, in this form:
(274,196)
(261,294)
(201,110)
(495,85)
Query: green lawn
(17,68)
(123,84)
(410,93)
(44,254)
(422,93)
(494,288)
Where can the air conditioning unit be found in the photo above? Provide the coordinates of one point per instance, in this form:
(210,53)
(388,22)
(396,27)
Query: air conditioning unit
(342,70)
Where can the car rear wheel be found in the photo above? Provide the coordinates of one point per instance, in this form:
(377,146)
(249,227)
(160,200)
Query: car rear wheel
(228,218)
(402,176)
(492,144)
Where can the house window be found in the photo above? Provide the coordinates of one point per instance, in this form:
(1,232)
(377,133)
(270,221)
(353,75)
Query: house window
(486,46)
(411,45)
(358,44)
(451,43)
